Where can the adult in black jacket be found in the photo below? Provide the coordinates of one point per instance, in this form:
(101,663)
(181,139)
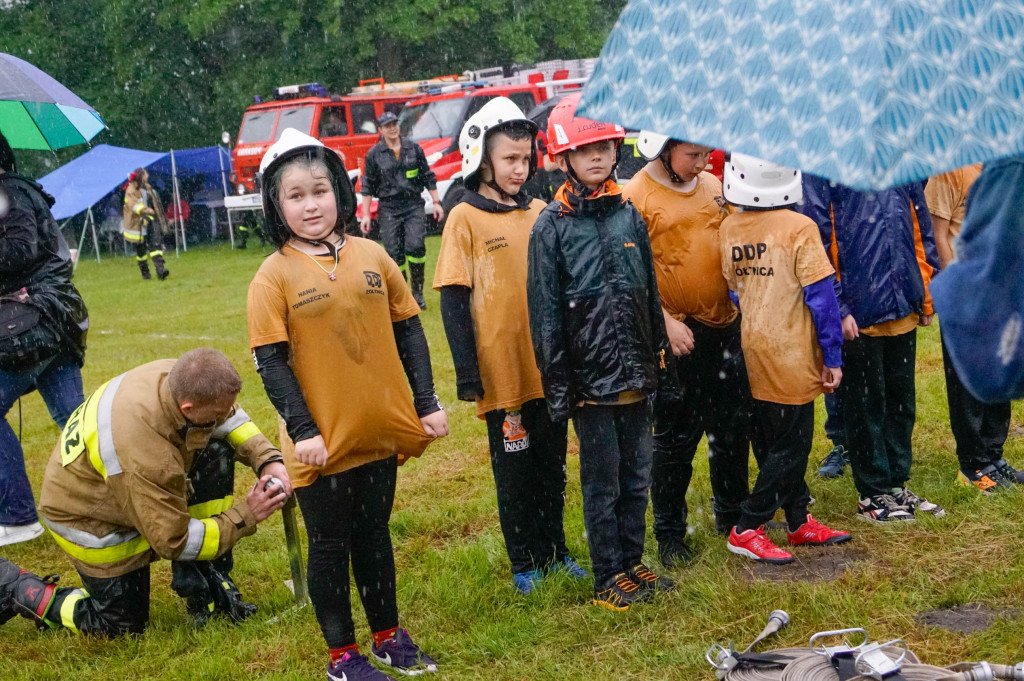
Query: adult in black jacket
(35,270)
(395,170)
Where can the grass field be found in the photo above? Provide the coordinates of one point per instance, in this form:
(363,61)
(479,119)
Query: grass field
(454,587)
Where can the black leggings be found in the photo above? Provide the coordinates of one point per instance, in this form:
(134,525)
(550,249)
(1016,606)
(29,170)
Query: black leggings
(346,515)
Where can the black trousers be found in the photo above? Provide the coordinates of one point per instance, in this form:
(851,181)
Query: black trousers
(346,516)
(716,401)
(835,428)
(120,605)
(528,461)
(615,476)
(979,428)
(402,227)
(782,438)
(878,402)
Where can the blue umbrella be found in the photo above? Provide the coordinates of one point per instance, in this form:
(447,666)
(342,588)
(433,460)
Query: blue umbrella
(37,112)
(869,93)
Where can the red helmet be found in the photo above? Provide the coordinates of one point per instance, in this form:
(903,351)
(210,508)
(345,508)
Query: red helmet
(568,131)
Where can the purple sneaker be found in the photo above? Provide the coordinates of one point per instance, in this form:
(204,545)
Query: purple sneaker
(354,667)
(401,654)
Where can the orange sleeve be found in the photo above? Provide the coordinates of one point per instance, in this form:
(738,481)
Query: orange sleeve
(926,270)
(267,310)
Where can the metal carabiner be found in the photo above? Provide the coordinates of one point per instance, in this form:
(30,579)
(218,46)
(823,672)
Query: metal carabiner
(829,651)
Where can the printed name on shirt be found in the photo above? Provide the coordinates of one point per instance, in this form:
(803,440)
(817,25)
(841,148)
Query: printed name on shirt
(312,297)
(629,244)
(496,243)
(751,252)
(374,281)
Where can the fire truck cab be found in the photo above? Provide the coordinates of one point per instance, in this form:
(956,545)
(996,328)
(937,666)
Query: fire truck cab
(344,123)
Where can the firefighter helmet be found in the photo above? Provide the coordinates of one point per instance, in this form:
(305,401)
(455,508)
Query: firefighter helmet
(293,143)
(568,131)
(753,183)
(492,116)
(650,144)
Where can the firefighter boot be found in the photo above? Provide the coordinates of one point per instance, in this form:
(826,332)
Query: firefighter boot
(188,579)
(143,266)
(227,598)
(416,283)
(158,262)
(23,593)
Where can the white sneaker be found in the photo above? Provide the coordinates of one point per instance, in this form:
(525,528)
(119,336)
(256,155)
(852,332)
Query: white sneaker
(15,534)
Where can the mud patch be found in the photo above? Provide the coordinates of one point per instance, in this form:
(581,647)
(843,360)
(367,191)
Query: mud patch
(812,564)
(1017,431)
(964,619)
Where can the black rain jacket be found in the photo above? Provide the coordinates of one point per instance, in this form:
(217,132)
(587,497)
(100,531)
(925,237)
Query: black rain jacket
(595,314)
(403,178)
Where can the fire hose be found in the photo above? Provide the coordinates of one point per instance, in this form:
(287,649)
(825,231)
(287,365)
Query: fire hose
(843,661)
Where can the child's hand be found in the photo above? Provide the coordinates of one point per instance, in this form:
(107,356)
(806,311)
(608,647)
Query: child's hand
(830,378)
(850,328)
(436,424)
(925,319)
(312,451)
(679,336)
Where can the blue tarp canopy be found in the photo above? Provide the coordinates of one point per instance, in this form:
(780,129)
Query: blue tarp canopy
(85,181)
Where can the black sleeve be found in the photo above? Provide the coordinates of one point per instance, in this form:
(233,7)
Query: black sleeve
(19,232)
(371,179)
(284,391)
(415,356)
(458,326)
(426,175)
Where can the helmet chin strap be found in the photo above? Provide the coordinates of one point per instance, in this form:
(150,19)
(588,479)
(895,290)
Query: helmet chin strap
(505,196)
(667,162)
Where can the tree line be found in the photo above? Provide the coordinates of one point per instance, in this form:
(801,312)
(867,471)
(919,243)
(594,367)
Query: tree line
(175,74)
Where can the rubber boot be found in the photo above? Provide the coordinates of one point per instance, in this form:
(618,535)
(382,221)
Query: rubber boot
(161,271)
(227,598)
(416,283)
(23,593)
(206,591)
(144,267)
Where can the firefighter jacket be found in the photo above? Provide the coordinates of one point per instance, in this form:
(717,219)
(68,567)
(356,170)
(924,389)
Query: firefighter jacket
(35,256)
(136,222)
(595,315)
(396,179)
(881,245)
(115,489)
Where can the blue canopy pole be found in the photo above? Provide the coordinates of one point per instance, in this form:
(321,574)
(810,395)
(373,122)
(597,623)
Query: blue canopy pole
(224,183)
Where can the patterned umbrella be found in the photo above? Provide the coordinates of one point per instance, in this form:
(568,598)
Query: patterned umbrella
(869,93)
(37,112)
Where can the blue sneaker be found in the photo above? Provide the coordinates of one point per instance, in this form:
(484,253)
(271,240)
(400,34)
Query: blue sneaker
(833,465)
(401,654)
(571,568)
(526,582)
(355,667)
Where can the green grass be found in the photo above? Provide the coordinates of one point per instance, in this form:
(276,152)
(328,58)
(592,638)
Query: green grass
(454,587)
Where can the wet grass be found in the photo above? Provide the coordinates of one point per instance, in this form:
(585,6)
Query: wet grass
(454,587)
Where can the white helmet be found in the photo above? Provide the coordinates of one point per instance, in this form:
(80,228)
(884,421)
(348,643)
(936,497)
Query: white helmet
(650,144)
(472,139)
(751,182)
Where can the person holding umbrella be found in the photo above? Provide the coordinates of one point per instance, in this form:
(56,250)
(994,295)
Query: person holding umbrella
(43,323)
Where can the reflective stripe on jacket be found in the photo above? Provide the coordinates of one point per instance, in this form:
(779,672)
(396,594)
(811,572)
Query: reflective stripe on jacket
(115,491)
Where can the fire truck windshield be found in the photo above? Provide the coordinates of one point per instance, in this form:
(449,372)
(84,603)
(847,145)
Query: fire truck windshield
(432,120)
(257,126)
(300,119)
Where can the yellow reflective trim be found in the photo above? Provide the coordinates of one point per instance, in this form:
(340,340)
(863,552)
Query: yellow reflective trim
(208,509)
(153,254)
(67,608)
(107,554)
(409,174)
(242,433)
(211,540)
(420,261)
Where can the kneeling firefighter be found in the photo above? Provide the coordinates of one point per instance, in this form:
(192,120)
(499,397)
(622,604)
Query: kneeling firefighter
(144,469)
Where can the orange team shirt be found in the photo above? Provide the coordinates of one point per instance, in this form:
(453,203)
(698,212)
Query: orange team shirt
(683,227)
(946,194)
(768,257)
(342,350)
(486,252)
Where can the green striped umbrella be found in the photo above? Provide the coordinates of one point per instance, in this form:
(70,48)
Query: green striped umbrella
(37,112)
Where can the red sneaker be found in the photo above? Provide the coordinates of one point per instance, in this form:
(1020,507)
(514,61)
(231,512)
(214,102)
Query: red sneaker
(756,545)
(813,533)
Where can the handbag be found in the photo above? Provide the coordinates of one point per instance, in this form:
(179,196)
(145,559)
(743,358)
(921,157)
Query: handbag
(24,337)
